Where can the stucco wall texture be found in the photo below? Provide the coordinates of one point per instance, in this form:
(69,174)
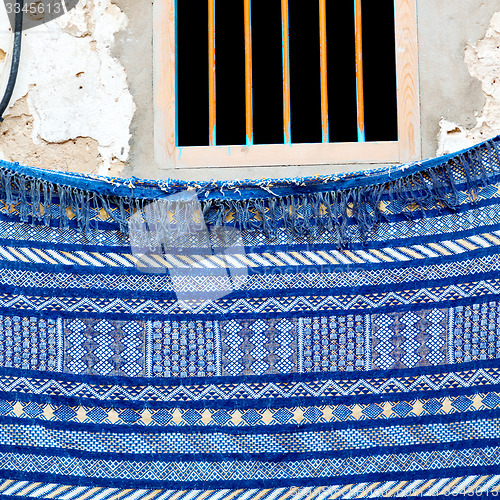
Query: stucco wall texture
(84,97)
(72,108)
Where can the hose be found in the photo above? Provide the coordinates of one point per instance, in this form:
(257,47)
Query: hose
(16,56)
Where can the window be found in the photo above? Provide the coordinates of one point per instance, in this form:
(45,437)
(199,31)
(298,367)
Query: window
(294,83)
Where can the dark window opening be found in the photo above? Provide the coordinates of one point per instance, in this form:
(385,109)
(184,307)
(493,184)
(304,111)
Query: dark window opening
(305,88)
(267,72)
(342,112)
(379,71)
(192,74)
(230,72)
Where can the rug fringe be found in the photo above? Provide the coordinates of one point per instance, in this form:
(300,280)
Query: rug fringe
(326,205)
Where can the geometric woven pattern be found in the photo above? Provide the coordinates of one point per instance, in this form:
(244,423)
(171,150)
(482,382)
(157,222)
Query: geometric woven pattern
(334,343)
(348,347)
(30,343)
(415,338)
(105,347)
(183,348)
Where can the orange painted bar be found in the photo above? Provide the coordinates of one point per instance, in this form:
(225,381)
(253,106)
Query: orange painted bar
(211,71)
(323,65)
(286,72)
(359,71)
(248,72)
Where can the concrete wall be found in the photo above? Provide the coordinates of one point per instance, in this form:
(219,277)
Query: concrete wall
(72,108)
(84,102)
(459,62)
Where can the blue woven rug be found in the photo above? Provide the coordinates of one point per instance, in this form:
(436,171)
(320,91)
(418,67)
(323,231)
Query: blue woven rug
(300,339)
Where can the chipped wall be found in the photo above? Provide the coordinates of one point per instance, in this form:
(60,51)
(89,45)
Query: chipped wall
(71,108)
(483,63)
(84,97)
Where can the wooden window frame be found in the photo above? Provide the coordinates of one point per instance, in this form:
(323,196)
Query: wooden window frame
(406,149)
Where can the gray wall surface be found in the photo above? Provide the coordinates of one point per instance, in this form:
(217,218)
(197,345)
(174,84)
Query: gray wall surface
(447,90)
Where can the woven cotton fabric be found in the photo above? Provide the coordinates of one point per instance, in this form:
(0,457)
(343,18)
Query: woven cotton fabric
(332,337)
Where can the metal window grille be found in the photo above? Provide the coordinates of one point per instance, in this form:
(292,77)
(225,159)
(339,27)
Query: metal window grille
(286,80)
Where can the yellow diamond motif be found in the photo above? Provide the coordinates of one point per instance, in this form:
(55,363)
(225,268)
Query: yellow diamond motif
(447,408)
(113,416)
(177,416)
(357,412)
(387,410)
(328,413)
(267,416)
(48,412)
(81,414)
(477,402)
(236,418)
(206,417)
(103,215)
(146,417)
(18,409)
(298,415)
(418,408)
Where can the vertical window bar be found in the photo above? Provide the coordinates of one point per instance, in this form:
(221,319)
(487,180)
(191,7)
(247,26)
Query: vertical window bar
(248,72)
(211,72)
(176,81)
(323,65)
(359,71)
(286,72)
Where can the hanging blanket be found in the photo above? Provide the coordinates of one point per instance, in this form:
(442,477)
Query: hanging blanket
(300,339)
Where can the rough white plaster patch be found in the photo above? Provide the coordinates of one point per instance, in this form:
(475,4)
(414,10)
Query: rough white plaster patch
(483,63)
(74,87)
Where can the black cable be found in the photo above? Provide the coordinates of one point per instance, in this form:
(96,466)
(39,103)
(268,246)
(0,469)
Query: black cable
(16,56)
